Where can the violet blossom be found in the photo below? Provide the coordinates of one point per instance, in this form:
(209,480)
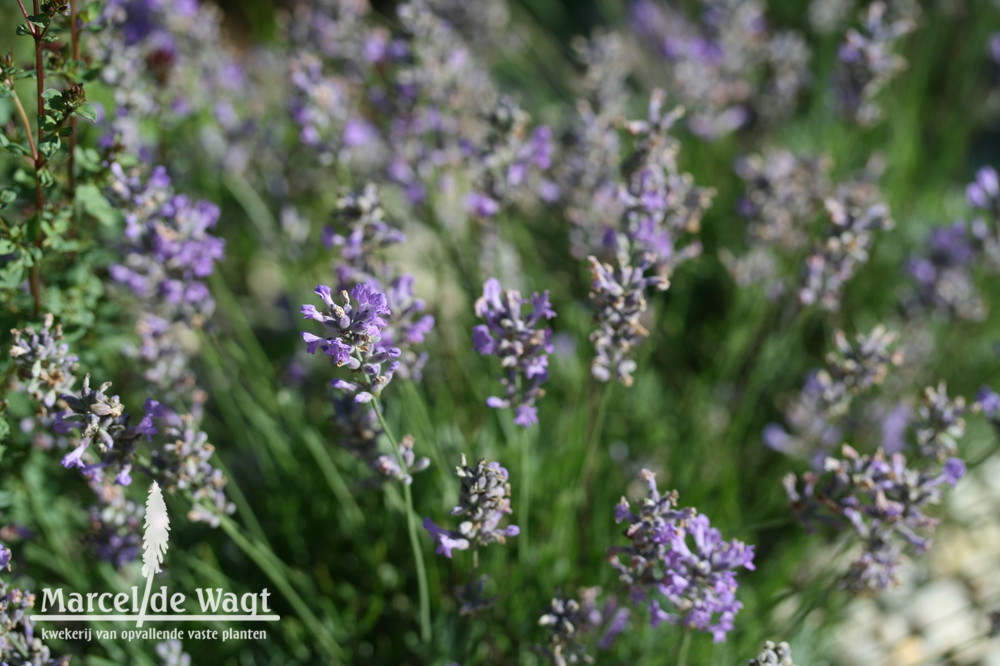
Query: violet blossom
(522,346)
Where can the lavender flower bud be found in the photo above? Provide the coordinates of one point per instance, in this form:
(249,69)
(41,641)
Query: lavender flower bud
(103,420)
(854,216)
(661,206)
(44,364)
(361,231)
(115,526)
(784,192)
(19,644)
(814,416)
(773,654)
(483,502)
(572,625)
(939,423)
(854,369)
(519,343)
(401,469)
(619,297)
(183,464)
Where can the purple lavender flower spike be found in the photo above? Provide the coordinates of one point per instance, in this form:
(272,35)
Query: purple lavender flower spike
(854,215)
(942,275)
(984,195)
(5,557)
(115,526)
(45,367)
(362,231)
(619,295)
(989,402)
(171,249)
(699,583)
(702,582)
(483,502)
(354,337)
(984,191)
(572,625)
(867,62)
(881,499)
(522,346)
(19,643)
(940,423)
(815,416)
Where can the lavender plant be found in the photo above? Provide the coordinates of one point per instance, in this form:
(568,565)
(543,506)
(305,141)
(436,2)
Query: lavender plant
(725,63)
(983,194)
(497,139)
(172,249)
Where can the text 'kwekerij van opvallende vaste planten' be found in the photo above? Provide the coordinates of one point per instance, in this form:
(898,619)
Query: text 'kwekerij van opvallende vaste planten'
(507,332)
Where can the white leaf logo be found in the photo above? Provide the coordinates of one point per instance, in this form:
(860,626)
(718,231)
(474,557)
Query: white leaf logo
(154,541)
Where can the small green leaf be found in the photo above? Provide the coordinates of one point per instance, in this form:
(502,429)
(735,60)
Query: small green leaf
(46,177)
(15,148)
(50,144)
(7,197)
(87,111)
(93,202)
(90,13)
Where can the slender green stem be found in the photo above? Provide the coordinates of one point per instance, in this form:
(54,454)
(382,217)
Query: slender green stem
(411,527)
(593,442)
(685,645)
(525,497)
(274,569)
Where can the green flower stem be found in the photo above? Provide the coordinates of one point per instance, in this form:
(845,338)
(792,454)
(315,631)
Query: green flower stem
(685,646)
(593,444)
(274,569)
(411,526)
(525,496)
